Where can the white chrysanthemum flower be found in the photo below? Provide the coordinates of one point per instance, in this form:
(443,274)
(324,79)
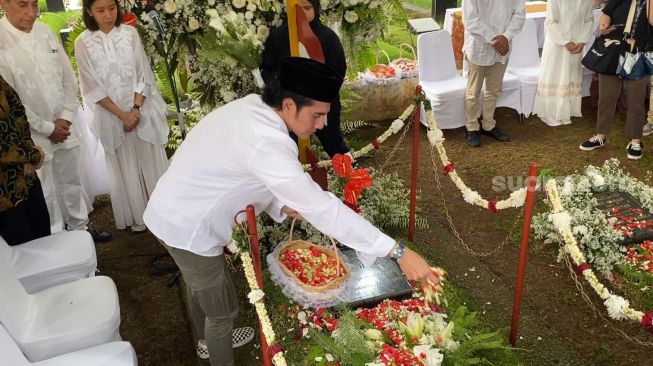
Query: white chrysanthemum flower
(216,24)
(251,7)
(616,305)
(211,2)
(580,230)
(351,16)
(170,6)
(435,136)
(233,247)
(263,31)
(212,13)
(560,220)
(238,3)
(193,23)
(397,125)
(471,196)
(249,15)
(255,296)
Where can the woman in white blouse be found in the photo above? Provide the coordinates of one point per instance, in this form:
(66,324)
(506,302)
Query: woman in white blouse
(119,89)
(569,26)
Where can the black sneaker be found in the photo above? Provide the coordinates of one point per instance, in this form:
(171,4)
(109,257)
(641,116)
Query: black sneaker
(593,143)
(634,151)
(496,134)
(99,236)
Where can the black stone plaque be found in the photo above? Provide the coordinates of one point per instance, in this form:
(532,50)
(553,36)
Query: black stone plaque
(635,219)
(373,284)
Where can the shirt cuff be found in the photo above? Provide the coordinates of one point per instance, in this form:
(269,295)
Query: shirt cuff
(382,246)
(274,210)
(139,87)
(96,95)
(67,115)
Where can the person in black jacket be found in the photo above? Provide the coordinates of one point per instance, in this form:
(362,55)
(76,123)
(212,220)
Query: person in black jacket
(611,24)
(277,47)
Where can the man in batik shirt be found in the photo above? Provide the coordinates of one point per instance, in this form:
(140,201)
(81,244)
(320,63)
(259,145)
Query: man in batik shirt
(23,212)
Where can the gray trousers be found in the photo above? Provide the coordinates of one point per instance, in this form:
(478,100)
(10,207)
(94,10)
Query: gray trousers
(213,301)
(609,91)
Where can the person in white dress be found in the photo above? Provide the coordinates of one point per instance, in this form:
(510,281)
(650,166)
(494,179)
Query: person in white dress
(568,28)
(128,111)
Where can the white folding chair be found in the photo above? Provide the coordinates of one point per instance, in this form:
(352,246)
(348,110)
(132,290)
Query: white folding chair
(525,65)
(61,319)
(439,79)
(108,354)
(52,260)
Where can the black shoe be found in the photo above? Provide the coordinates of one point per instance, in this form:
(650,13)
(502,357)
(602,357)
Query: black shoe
(592,143)
(473,139)
(496,134)
(99,236)
(634,150)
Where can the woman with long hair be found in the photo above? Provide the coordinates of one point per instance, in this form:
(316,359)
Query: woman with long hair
(119,89)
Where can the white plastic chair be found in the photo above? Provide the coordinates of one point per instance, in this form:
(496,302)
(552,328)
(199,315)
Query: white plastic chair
(61,319)
(439,79)
(524,63)
(108,354)
(52,260)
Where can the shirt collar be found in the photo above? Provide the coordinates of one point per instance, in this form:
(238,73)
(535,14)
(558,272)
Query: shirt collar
(10,27)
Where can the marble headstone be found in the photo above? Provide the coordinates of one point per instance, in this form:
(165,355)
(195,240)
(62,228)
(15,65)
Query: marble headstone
(376,283)
(626,209)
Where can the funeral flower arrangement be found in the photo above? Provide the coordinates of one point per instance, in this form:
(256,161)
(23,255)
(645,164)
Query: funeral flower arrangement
(220,66)
(597,235)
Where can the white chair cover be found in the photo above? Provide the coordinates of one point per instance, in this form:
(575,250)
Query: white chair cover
(108,354)
(52,260)
(61,319)
(525,65)
(440,80)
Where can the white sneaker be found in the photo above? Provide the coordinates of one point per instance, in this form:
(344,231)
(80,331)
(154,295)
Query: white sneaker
(648,129)
(137,228)
(240,337)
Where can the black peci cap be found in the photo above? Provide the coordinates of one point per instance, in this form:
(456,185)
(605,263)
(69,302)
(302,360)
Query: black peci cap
(310,79)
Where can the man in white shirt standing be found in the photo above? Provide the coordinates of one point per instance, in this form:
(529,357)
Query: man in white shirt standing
(490,26)
(35,64)
(242,154)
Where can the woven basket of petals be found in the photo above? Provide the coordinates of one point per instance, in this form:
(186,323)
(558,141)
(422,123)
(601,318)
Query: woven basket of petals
(312,267)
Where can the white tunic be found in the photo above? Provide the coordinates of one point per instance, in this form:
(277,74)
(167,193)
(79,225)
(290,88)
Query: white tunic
(485,19)
(37,67)
(241,154)
(559,89)
(114,65)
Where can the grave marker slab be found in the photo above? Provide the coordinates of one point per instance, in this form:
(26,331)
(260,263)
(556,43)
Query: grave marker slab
(374,284)
(637,221)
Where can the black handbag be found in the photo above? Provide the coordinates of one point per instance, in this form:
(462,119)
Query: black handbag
(603,57)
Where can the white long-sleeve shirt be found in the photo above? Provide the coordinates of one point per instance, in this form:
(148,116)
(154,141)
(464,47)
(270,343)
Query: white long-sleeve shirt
(114,65)
(241,154)
(569,21)
(37,67)
(486,19)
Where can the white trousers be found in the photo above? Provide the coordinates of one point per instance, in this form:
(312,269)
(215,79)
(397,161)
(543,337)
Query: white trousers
(133,170)
(63,191)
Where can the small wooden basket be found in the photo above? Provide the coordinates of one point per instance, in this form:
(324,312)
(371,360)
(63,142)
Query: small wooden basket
(298,244)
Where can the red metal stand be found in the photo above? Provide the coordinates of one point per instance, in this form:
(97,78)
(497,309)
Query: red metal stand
(256,259)
(523,255)
(413,174)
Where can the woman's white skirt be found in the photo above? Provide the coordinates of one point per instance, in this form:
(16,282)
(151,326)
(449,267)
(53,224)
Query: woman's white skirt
(133,170)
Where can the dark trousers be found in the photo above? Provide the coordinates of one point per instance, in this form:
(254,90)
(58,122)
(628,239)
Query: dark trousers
(28,220)
(610,87)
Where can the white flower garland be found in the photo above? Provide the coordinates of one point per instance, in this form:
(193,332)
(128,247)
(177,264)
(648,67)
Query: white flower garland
(436,138)
(255,297)
(618,308)
(395,127)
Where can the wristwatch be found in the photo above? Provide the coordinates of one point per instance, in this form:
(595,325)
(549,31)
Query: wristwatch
(136,106)
(398,251)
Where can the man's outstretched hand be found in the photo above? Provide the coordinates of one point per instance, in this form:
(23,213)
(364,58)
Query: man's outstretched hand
(415,268)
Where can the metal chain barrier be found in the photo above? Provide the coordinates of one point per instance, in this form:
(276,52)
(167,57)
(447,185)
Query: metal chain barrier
(596,311)
(450,220)
(399,141)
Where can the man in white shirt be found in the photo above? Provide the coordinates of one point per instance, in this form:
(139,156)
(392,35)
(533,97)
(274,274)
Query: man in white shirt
(242,154)
(35,64)
(490,26)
